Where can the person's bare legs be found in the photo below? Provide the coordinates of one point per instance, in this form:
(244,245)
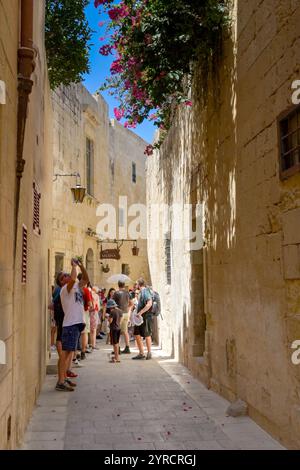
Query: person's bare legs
(93,337)
(64,361)
(126,337)
(69,363)
(53,331)
(139,343)
(149,343)
(116,351)
(59,352)
(84,341)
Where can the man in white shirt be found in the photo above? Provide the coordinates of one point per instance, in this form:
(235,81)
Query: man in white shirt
(73,307)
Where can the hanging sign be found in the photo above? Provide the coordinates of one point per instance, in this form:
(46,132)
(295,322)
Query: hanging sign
(110,254)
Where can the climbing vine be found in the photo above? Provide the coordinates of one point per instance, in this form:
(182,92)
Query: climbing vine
(154,43)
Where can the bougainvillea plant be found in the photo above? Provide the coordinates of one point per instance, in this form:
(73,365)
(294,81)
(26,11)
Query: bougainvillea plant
(154,43)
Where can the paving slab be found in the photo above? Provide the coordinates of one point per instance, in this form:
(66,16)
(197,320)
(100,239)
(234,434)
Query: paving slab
(136,405)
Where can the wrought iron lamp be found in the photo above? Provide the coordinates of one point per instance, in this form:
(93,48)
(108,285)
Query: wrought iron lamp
(135,249)
(78,191)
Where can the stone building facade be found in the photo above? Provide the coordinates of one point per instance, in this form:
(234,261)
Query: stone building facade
(25,213)
(87,142)
(232,306)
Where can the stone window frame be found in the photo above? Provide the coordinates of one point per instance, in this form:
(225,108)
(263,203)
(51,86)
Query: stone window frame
(283,117)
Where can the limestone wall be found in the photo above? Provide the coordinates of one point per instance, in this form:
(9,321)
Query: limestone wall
(23,307)
(232,310)
(78,115)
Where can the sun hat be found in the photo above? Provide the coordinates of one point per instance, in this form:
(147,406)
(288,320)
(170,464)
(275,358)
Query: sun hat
(111,303)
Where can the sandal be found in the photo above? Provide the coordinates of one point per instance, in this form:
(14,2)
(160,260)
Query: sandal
(112,361)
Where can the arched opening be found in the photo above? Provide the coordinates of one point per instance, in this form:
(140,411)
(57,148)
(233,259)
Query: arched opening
(90,264)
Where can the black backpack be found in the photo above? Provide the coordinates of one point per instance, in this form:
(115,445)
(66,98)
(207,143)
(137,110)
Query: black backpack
(156,304)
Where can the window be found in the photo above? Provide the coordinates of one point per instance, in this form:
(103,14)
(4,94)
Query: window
(125,269)
(59,263)
(36,209)
(168,259)
(89,166)
(289,130)
(133,172)
(24,254)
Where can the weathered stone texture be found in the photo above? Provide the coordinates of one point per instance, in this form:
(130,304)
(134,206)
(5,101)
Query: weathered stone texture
(77,116)
(23,308)
(251,254)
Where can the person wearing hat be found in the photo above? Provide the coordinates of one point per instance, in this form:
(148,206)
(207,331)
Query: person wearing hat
(114,319)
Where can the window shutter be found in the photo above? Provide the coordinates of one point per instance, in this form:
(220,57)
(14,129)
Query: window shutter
(36,209)
(24,254)
(133,172)
(168,268)
(289,135)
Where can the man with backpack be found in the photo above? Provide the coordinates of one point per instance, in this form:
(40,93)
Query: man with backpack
(144,330)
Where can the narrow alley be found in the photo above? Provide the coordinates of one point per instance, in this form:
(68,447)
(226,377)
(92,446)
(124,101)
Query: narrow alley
(136,405)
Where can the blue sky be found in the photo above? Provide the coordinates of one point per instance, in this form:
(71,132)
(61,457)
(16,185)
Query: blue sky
(99,69)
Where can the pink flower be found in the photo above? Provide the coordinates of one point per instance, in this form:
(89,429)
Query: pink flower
(119,113)
(101,23)
(127,84)
(130,125)
(116,67)
(97,3)
(118,12)
(152,117)
(188,103)
(105,50)
(149,150)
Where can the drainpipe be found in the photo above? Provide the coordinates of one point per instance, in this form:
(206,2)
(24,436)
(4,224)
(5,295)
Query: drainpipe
(26,66)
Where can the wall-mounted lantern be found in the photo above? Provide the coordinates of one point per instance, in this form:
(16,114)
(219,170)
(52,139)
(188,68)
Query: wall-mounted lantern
(135,249)
(78,191)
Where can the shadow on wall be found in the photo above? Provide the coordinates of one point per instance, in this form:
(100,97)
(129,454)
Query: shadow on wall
(200,156)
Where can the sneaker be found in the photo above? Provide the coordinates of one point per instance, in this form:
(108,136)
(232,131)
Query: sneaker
(102,334)
(98,337)
(71,374)
(96,348)
(126,350)
(69,382)
(139,356)
(82,356)
(88,350)
(63,387)
(53,348)
(78,356)
(76,363)
(149,356)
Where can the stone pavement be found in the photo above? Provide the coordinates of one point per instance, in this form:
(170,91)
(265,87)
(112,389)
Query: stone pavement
(133,405)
